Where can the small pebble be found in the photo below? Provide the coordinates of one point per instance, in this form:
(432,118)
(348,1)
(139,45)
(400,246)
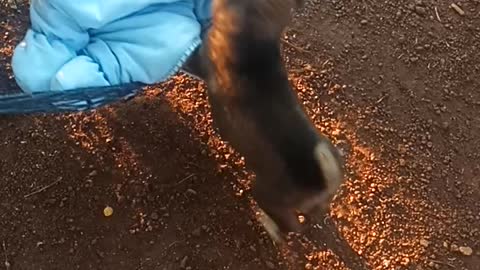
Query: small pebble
(420,10)
(196,232)
(424,243)
(108,211)
(154,216)
(270,265)
(467,251)
(100,254)
(191,191)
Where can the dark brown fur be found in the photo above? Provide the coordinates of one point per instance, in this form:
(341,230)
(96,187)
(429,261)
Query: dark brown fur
(264,19)
(257,112)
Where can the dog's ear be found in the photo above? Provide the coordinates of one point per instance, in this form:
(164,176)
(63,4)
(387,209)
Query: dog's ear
(328,159)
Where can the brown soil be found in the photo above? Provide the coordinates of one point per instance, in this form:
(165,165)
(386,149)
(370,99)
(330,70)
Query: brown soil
(393,86)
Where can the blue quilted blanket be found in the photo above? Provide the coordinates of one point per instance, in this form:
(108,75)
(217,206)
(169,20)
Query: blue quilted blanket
(89,43)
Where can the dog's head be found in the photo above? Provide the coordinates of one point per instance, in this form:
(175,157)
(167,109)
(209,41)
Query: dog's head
(288,188)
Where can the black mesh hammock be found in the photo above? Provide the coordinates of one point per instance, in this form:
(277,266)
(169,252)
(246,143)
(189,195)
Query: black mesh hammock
(82,99)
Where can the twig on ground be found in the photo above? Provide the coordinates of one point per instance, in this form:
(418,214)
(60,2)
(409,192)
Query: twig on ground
(193,164)
(381,99)
(458,9)
(43,188)
(438,16)
(185,179)
(172,244)
(444,263)
(7,263)
(294,46)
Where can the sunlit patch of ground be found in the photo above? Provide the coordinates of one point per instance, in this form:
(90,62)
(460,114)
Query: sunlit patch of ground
(383,215)
(93,133)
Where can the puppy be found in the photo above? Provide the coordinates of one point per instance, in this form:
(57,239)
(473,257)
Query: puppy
(256,111)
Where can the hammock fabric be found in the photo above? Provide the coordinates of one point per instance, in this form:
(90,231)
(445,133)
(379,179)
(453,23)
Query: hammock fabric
(83,99)
(76,100)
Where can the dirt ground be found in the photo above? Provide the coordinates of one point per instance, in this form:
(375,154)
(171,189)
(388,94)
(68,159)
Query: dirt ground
(394,83)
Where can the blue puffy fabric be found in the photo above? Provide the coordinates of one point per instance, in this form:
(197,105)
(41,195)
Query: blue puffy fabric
(73,44)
